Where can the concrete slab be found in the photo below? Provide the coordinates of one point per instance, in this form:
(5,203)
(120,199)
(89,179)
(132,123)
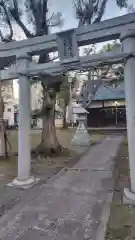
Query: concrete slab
(72,205)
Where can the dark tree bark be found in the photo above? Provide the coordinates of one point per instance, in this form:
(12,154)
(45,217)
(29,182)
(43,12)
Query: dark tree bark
(3,136)
(64,117)
(49,145)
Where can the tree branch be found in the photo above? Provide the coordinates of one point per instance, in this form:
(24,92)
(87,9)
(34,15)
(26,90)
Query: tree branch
(53,59)
(57,24)
(2,38)
(44,16)
(25,30)
(96,6)
(37,113)
(2,4)
(43,26)
(56,20)
(49,19)
(101,11)
(15,14)
(122,3)
(34,11)
(79,11)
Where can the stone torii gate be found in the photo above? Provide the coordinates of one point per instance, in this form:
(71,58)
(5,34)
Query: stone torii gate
(67,43)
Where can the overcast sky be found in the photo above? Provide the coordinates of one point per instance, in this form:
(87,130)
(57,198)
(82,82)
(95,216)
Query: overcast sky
(68,12)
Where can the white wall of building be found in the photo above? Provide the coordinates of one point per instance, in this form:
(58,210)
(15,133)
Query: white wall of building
(8,114)
(39,123)
(36,101)
(7,91)
(36,96)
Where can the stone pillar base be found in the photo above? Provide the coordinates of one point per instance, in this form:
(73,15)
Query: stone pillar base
(24,184)
(128,197)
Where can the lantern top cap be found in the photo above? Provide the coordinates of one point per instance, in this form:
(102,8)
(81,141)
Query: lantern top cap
(79,109)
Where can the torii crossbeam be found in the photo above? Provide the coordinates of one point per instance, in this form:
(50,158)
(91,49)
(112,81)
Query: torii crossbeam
(69,59)
(67,44)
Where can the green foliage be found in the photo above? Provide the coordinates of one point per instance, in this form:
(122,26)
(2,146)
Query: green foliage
(110,46)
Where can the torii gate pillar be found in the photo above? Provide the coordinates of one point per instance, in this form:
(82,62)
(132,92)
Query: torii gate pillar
(128,44)
(24,178)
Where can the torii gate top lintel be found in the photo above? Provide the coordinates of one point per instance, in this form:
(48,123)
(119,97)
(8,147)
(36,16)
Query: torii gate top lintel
(67,43)
(93,33)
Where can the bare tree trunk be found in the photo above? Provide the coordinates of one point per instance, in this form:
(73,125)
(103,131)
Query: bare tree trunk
(49,144)
(64,117)
(3,152)
(3,146)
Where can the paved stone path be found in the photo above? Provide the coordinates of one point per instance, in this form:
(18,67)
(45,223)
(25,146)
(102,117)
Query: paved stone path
(73,205)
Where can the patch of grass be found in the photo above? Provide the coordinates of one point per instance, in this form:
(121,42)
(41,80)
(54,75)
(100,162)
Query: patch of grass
(118,234)
(122,217)
(64,138)
(40,166)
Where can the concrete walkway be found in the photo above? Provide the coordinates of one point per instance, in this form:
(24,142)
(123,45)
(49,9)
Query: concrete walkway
(74,205)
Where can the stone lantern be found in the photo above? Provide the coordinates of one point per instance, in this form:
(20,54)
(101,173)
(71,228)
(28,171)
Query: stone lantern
(81,136)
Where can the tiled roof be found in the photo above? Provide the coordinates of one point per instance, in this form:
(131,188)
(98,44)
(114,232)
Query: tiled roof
(105,92)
